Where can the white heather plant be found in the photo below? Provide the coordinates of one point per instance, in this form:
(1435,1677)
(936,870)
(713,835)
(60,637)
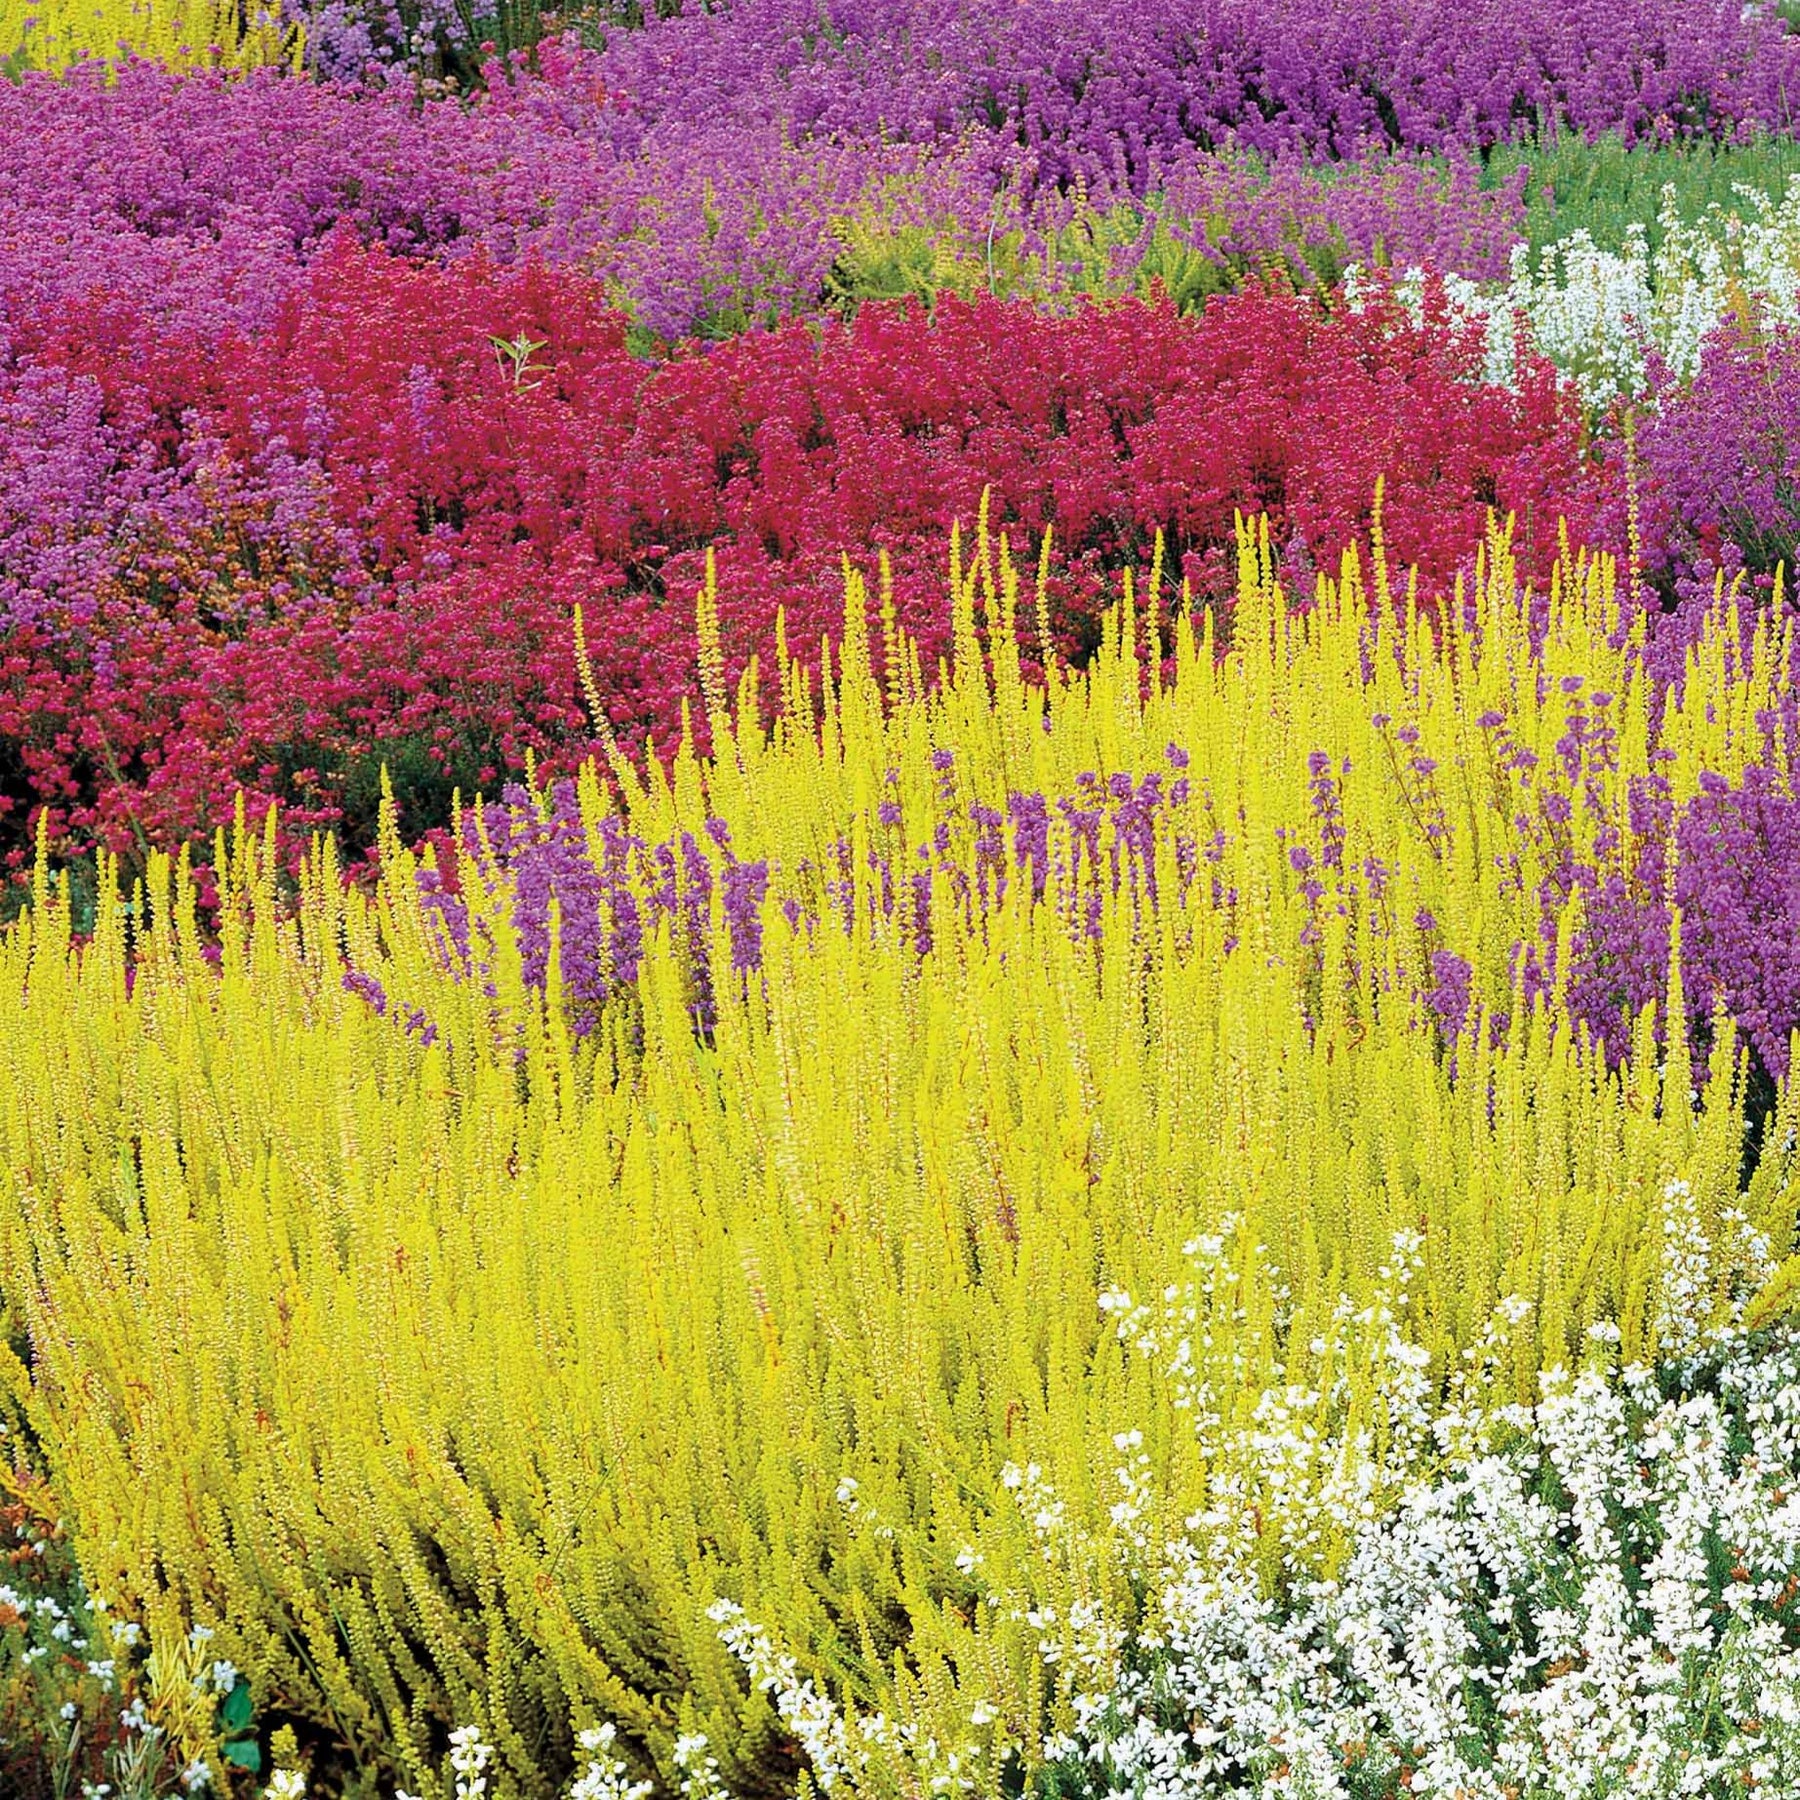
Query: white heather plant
(1442,1593)
(1597,314)
(1596,1597)
(606,1777)
(1593,1597)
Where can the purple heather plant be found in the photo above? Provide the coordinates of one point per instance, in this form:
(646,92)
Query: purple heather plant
(1721,466)
(705,165)
(548,853)
(1737,884)
(1114,93)
(1730,863)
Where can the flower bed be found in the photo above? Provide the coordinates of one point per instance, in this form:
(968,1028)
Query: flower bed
(518,1255)
(271,562)
(666,1128)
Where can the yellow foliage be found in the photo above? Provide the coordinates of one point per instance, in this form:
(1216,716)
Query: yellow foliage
(451,1383)
(50,35)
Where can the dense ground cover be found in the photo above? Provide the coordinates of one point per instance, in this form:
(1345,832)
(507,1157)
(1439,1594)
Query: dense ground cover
(795,1161)
(768,1205)
(274,562)
(227,549)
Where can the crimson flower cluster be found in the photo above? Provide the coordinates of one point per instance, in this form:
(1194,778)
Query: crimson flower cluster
(278,559)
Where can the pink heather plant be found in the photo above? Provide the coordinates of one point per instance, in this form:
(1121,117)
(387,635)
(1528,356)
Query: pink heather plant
(199,198)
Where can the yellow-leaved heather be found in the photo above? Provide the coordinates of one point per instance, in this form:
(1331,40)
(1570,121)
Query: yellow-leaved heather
(451,1381)
(50,35)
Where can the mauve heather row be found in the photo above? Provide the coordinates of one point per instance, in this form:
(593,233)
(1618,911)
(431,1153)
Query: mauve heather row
(691,222)
(1729,861)
(1115,91)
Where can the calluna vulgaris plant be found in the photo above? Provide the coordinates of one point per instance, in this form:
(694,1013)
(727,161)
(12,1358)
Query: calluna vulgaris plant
(1592,1595)
(704,227)
(1117,91)
(1041,1196)
(697,1204)
(275,561)
(1619,323)
(50,35)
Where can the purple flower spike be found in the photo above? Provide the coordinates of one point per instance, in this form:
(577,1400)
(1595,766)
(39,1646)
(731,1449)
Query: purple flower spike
(746,887)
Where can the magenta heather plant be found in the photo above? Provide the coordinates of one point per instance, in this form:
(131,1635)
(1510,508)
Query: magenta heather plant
(1734,875)
(74,485)
(194,200)
(1737,883)
(1721,466)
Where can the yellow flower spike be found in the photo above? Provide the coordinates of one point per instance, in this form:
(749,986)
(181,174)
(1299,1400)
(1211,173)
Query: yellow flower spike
(893,663)
(712,651)
(621,766)
(448,1380)
(984,558)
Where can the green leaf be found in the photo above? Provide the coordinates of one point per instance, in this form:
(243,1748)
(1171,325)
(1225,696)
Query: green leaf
(235,1709)
(244,1753)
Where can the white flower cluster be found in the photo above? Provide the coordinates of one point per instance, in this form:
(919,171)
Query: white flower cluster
(846,1750)
(1597,314)
(470,1754)
(469,1758)
(1592,1597)
(809,1715)
(700,1779)
(605,1778)
(1597,1595)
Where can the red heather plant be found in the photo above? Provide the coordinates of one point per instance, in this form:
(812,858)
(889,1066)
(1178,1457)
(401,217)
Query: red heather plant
(366,529)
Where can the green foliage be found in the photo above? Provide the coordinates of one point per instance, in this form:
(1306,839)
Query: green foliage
(237,1730)
(425,775)
(1604,188)
(1095,253)
(73,882)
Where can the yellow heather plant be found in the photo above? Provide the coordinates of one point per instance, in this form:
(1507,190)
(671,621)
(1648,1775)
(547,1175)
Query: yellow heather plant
(451,1383)
(50,35)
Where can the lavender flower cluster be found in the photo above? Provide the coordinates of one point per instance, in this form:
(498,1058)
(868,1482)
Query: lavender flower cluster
(1731,866)
(609,887)
(1118,93)
(1727,864)
(195,200)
